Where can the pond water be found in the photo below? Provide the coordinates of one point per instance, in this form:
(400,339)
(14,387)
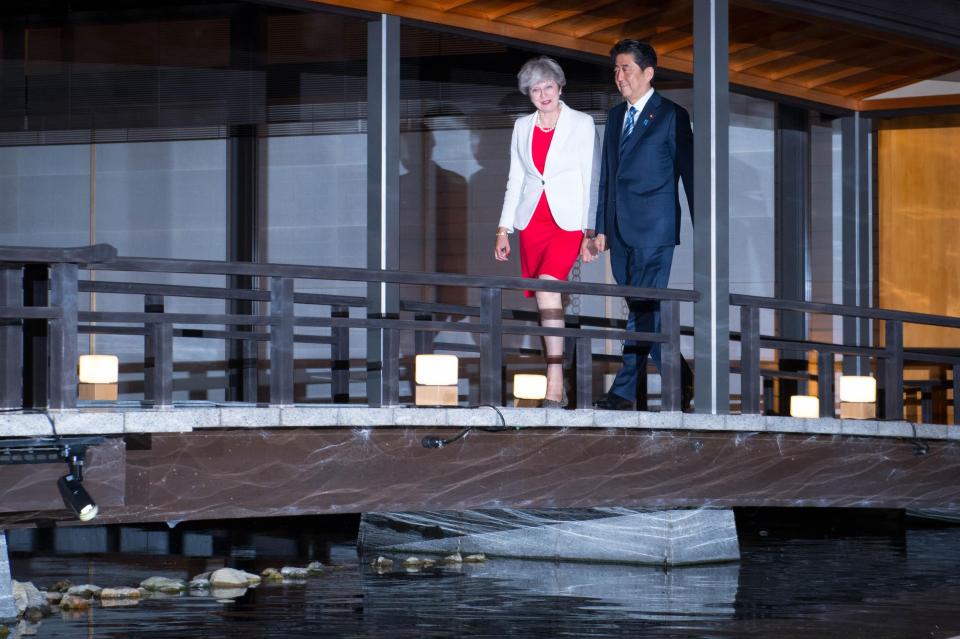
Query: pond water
(898,583)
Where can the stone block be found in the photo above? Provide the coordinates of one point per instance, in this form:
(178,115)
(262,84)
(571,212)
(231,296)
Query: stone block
(420,416)
(88,423)
(170,420)
(616,418)
(932,431)
(865,427)
(608,535)
(361,416)
(704,421)
(560,418)
(24,425)
(778,424)
(250,417)
(894,429)
(524,417)
(309,416)
(663,420)
(824,426)
(483,416)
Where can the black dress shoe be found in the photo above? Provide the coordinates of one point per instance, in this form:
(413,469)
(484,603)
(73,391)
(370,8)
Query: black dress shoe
(612,401)
(686,397)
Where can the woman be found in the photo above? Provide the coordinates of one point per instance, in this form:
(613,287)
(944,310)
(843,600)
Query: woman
(550,198)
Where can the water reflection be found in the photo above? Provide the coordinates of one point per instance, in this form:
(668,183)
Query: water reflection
(897,585)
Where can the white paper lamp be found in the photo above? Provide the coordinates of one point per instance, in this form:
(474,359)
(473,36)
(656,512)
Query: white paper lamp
(528,387)
(436,377)
(858,397)
(806,406)
(858,388)
(98,375)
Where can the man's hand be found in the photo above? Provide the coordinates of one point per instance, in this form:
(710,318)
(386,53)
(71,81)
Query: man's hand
(600,241)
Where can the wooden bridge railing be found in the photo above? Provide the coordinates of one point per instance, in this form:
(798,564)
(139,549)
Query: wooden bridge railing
(890,357)
(278,326)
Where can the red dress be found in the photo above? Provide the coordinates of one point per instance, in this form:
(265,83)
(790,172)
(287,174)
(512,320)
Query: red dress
(545,248)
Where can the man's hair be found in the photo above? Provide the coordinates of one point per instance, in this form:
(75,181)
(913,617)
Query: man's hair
(643,54)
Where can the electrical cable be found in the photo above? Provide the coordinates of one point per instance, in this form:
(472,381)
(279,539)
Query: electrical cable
(434,441)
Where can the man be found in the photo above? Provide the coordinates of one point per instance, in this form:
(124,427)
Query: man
(647,148)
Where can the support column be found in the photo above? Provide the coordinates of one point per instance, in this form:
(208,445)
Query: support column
(36,351)
(11,340)
(383,197)
(711,115)
(244,193)
(8,609)
(856,235)
(792,213)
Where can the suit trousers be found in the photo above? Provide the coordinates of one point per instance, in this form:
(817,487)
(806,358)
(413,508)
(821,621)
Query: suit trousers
(648,267)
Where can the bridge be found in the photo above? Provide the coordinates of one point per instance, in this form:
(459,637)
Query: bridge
(272,447)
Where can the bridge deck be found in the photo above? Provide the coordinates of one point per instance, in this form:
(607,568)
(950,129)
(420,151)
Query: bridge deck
(193,462)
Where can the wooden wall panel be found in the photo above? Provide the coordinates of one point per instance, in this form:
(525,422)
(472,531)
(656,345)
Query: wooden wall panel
(919,223)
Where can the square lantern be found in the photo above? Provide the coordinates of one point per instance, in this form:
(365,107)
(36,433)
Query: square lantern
(529,390)
(98,375)
(436,378)
(805,406)
(858,397)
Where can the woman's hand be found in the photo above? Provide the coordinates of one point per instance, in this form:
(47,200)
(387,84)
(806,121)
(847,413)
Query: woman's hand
(588,250)
(600,241)
(501,251)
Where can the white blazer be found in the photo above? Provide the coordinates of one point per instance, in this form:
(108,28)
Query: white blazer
(570,175)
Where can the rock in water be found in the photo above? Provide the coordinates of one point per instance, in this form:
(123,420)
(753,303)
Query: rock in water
(73,602)
(87,591)
(233,578)
(271,575)
(314,568)
(475,559)
(289,572)
(163,584)
(120,593)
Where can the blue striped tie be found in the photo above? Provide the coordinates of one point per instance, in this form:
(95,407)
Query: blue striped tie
(628,125)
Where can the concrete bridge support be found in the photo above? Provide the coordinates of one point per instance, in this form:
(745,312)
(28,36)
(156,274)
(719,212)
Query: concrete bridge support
(608,535)
(8,610)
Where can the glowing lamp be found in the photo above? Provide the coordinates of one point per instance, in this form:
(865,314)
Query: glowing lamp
(805,406)
(858,397)
(529,390)
(436,378)
(98,375)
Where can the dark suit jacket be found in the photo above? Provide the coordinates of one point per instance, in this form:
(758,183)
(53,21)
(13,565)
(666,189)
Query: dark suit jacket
(639,191)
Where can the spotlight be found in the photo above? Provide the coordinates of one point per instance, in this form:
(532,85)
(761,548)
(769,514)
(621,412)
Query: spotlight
(76,497)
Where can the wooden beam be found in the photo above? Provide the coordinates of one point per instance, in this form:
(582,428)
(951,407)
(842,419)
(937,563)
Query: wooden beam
(919,102)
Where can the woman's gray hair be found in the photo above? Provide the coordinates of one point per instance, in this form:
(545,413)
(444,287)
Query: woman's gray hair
(537,70)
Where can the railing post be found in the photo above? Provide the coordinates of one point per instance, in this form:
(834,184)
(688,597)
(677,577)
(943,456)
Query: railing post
(584,346)
(670,356)
(63,337)
(281,341)
(391,367)
(157,356)
(11,339)
(423,340)
(491,347)
(893,370)
(956,394)
(36,288)
(750,360)
(340,358)
(825,382)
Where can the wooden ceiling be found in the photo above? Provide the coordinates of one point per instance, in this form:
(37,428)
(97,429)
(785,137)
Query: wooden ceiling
(771,49)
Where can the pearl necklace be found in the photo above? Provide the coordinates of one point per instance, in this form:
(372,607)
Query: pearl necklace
(545,129)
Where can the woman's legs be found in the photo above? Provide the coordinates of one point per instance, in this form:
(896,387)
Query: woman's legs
(551,316)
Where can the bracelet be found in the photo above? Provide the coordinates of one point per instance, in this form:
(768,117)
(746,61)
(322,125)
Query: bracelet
(501,233)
